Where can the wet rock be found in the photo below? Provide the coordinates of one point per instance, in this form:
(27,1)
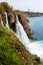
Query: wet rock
(11,16)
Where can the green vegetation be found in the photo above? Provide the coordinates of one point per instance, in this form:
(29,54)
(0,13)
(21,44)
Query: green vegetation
(6,7)
(31,37)
(8,56)
(12,51)
(41,63)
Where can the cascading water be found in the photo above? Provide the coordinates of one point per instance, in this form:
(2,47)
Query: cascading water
(2,24)
(21,33)
(7,25)
(37,48)
(34,47)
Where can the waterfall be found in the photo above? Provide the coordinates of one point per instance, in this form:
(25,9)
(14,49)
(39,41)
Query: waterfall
(35,48)
(2,24)
(7,25)
(21,33)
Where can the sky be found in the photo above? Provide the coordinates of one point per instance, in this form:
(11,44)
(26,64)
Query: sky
(25,5)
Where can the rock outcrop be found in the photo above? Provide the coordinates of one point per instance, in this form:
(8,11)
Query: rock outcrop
(15,53)
(24,22)
(11,16)
(0,17)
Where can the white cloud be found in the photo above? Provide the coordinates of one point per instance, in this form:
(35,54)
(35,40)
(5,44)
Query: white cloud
(33,5)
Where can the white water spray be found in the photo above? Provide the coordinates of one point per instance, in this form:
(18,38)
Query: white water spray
(7,25)
(33,47)
(21,33)
(2,24)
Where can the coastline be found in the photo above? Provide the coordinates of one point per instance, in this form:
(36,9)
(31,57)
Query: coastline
(35,48)
(33,14)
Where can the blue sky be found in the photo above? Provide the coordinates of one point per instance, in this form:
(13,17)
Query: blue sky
(33,5)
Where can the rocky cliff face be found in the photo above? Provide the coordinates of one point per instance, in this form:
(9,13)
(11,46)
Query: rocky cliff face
(0,18)
(15,53)
(12,21)
(11,16)
(22,19)
(24,22)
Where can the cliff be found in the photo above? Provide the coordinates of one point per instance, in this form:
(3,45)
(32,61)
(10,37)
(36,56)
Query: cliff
(24,22)
(11,17)
(33,14)
(12,51)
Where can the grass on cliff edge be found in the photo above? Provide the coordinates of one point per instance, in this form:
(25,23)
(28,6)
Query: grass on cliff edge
(13,52)
(8,56)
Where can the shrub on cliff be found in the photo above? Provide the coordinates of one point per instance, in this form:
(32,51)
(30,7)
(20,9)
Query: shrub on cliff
(8,55)
(1,9)
(7,7)
(12,51)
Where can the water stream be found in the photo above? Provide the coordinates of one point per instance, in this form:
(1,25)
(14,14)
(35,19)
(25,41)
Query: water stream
(33,47)
(7,25)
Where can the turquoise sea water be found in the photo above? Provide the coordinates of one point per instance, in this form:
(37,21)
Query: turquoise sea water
(36,24)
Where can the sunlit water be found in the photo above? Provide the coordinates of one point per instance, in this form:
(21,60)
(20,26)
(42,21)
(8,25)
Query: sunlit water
(36,24)
(33,47)
(21,33)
